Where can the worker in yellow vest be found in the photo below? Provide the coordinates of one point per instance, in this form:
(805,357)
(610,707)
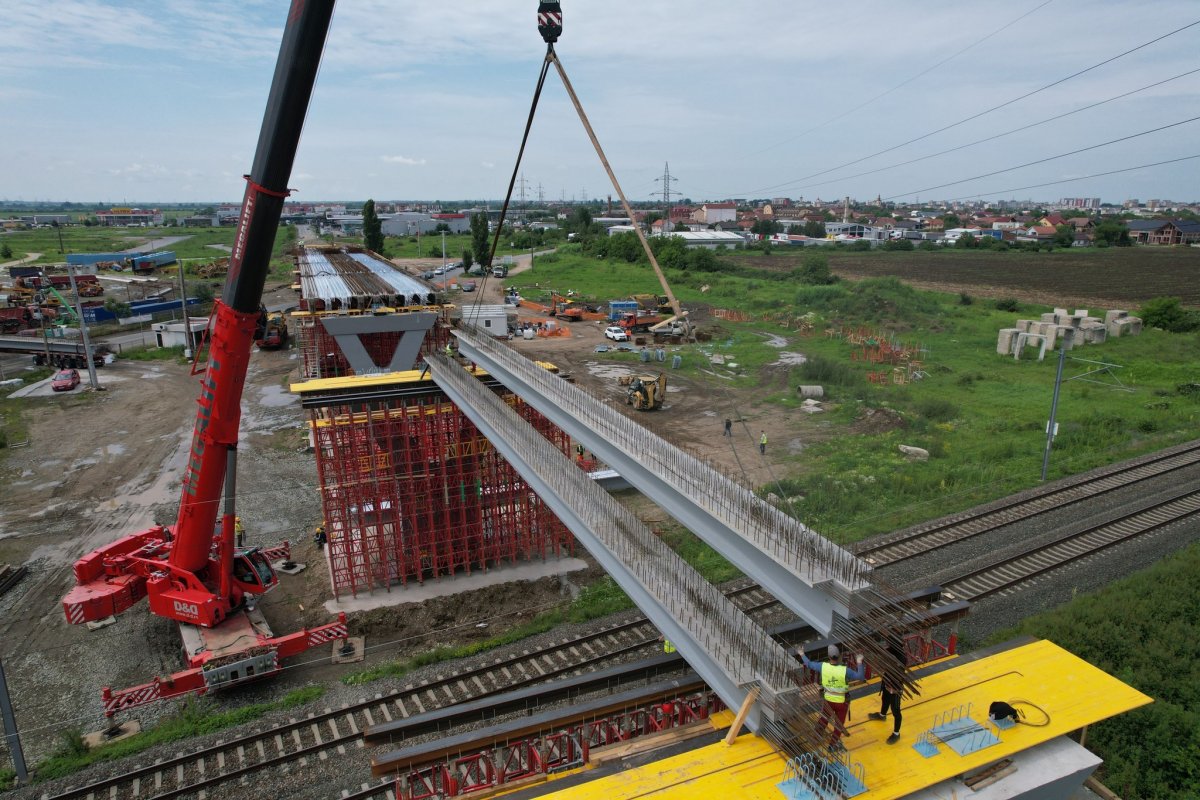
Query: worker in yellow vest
(668,646)
(835,680)
(239,531)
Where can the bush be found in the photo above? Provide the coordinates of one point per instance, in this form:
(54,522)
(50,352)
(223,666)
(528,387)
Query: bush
(819,369)
(1169,314)
(965,299)
(937,409)
(1008,304)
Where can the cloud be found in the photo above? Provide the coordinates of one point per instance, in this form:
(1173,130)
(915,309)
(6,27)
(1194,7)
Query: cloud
(405,160)
(487,164)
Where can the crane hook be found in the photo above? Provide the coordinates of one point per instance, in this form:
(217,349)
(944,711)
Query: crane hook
(550,21)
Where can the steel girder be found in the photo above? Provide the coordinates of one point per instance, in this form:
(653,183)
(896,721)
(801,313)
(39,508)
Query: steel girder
(816,601)
(547,471)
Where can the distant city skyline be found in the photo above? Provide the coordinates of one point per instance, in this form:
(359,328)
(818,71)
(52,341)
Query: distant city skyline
(119,102)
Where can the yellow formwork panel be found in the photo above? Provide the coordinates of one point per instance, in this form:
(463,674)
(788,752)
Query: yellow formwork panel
(1072,692)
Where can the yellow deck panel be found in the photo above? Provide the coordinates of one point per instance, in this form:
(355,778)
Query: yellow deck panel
(1073,692)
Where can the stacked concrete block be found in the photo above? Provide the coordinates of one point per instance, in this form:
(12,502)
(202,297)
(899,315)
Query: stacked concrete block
(1050,318)
(1026,325)
(1007,341)
(1093,331)
(1119,323)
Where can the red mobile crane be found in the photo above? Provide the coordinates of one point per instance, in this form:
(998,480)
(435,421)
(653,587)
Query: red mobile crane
(192,572)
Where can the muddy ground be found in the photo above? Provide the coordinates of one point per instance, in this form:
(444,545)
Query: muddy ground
(103,464)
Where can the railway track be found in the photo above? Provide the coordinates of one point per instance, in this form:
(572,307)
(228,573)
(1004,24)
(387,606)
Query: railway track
(919,540)
(1013,572)
(196,773)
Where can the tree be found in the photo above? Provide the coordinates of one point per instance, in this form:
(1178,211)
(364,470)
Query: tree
(5,251)
(468,259)
(1113,233)
(1064,236)
(814,229)
(479,238)
(950,221)
(372,228)
(814,270)
(680,228)
(765,227)
(967,242)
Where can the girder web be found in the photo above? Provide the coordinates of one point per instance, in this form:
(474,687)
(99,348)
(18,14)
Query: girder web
(727,648)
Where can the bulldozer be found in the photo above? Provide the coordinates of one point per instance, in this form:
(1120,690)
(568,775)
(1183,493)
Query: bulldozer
(647,392)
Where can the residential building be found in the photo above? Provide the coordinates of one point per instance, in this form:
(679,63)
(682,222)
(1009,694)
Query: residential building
(710,213)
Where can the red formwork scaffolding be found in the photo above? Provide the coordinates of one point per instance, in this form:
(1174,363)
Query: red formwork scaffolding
(412,490)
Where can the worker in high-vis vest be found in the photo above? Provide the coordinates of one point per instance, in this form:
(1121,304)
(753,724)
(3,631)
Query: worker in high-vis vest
(835,681)
(668,646)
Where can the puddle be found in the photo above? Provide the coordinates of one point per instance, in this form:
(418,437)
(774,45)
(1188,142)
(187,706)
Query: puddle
(115,449)
(277,397)
(774,340)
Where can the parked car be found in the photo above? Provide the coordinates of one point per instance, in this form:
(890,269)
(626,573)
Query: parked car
(440,271)
(65,380)
(427,274)
(468,286)
(616,333)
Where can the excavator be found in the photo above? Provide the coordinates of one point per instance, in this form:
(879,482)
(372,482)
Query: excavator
(647,392)
(192,572)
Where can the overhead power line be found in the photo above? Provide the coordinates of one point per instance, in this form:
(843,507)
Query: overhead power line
(1044,160)
(1072,180)
(1000,135)
(985,112)
(902,84)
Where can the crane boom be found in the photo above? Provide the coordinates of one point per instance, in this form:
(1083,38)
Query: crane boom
(194,574)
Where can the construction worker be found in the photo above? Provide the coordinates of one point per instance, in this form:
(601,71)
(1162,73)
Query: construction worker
(668,645)
(728,427)
(835,679)
(319,536)
(889,691)
(239,531)
(762,443)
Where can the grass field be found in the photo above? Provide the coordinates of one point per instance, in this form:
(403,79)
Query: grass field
(981,416)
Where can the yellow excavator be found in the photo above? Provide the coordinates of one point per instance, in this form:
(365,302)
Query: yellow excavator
(647,392)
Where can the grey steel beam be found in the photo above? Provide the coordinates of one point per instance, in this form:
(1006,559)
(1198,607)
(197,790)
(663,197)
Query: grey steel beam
(810,575)
(729,651)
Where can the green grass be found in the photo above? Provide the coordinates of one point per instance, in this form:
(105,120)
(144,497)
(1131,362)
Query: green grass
(194,718)
(1144,630)
(13,428)
(154,354)
(430,246)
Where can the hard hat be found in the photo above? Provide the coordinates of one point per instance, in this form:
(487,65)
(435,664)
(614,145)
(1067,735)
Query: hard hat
(834,652)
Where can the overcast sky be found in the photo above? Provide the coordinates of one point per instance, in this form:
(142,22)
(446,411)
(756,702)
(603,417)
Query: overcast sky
(142,102)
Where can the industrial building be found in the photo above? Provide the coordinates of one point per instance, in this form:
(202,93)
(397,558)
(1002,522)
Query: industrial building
(120,217)
(411,490)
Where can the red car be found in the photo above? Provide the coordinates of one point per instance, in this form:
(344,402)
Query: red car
(65,380)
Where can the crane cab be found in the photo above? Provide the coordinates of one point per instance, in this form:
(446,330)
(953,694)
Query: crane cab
(252,573)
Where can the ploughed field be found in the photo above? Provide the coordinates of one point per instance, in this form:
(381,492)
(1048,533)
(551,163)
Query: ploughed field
(1117,276)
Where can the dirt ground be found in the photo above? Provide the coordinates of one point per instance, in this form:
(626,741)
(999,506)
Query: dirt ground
(103,464)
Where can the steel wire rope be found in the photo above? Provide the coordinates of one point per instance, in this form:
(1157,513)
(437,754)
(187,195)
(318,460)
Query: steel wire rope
(904,83)
(537,93)
(1000,135)
(979,114)
(1047,158)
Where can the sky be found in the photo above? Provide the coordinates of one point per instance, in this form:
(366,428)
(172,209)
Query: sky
(144,102)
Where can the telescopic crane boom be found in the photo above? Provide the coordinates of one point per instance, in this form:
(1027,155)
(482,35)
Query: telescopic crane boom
(192,572)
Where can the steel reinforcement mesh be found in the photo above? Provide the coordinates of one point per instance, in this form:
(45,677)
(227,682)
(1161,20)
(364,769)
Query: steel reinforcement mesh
(322,358)
(412,490)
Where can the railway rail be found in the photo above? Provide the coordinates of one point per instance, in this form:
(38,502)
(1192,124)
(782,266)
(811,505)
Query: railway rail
(1014,571)
(959,527)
